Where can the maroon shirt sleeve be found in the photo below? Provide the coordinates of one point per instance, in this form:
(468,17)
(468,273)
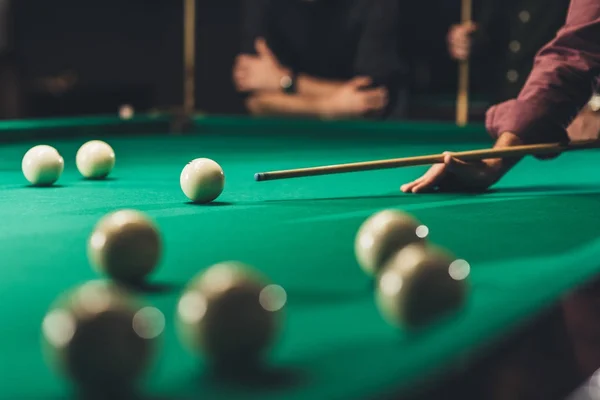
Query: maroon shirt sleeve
(560,83)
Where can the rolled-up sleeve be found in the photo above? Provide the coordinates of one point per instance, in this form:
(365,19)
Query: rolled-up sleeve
(560,83)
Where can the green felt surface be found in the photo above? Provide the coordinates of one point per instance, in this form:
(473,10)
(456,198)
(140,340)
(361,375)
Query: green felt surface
(529,240)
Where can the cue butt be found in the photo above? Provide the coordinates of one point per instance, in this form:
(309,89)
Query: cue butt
(462,96)
(189,56)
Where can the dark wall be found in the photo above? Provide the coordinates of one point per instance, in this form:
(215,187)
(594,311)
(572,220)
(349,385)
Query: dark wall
(132,52)
(118,51)
(218,44)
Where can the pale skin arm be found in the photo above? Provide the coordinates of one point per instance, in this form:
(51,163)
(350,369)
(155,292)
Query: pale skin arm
(275,103)
(309,85)
(264,72)
(261,76)
(350,100)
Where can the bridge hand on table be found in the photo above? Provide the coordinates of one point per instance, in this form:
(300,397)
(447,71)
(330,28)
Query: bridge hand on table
(455,175)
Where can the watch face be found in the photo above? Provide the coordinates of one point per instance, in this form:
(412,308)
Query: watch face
(286,82)
(595,102)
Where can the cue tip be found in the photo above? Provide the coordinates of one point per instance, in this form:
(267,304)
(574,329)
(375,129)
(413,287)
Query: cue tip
(259,176)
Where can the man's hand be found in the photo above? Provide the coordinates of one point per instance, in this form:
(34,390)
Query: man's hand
(455,175)
(353,99)
(585,126)
(459,176)
(260,72)
(459,40)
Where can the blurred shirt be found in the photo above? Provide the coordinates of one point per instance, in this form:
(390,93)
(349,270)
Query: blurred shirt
(333,39)
(4,25)
(510,33)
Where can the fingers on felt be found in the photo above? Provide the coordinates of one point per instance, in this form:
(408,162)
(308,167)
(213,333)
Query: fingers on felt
(408,187)
(428,182)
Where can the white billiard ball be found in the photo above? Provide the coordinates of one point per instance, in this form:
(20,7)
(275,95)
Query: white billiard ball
(230,314)
(99,336)
(419,284)
(382,234)
(95,159)
(126,246)
(42,165)
(202,180)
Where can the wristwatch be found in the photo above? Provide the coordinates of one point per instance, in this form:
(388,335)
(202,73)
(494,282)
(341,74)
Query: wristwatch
(594,102)
(288,83)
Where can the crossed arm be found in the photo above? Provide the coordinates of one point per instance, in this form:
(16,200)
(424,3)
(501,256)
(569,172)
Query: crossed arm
(261,76)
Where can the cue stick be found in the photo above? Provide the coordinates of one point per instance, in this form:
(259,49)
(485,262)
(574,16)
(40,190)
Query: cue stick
(189,54)
(471,155)
(462,97)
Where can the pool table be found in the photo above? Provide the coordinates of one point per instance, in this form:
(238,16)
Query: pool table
(531,241)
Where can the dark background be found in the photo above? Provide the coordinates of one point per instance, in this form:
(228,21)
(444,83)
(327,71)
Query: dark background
(131,52)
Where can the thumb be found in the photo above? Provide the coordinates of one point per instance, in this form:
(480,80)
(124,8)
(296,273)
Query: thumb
(360,82)
(262,48)
(470,27)
(455,165)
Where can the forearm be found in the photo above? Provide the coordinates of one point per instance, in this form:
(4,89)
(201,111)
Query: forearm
(508,139)
(586,126)
(498,167)
(308,85)
(275,103)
